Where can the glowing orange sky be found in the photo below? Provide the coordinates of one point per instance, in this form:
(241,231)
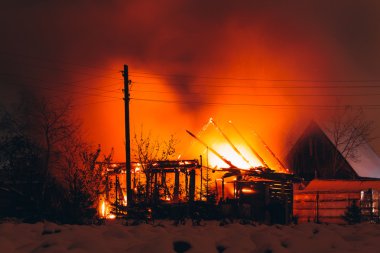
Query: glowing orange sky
(223,99)
(278,126)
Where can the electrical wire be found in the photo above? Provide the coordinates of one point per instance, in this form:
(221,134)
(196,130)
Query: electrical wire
(51,60)
(172,75)
(50,68)
(204,85)
(57,89)
(71,83)
(76,92)
(260,95)
(257,105)
(98,102)
(152,75)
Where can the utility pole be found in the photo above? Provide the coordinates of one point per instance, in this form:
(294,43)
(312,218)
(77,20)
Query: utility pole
(208,179)
(127,137)
(201,192)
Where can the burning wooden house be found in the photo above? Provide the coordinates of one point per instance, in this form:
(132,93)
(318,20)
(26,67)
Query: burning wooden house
(260,193)
(163,181)
(254,192)
(266,196)
(327,192)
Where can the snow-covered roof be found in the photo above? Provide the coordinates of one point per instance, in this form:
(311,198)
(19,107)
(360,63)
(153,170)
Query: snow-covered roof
(341,185)
(367,163)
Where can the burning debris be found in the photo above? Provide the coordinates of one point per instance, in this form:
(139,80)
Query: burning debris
(163,181)
(253,192)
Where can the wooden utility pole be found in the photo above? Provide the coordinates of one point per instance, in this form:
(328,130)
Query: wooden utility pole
(127,137)
(201,192)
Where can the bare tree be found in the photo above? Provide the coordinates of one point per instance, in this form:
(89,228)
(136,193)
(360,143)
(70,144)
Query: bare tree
(348,130)
(82,179)
(42,137)
(48,124)
(147,150)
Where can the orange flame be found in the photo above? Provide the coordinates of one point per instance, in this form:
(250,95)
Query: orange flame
(248,190)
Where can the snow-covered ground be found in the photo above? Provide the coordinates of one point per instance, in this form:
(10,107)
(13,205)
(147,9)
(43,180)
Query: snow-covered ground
(115,237)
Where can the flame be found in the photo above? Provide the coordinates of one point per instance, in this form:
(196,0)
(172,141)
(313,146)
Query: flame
(111,216)
(227,152)
(103,209)
(248,190)
(137,168)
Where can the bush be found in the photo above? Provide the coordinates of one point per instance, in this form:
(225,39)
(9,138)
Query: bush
(353,213)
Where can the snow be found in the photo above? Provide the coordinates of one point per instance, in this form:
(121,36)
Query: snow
(368,162)
(159,237)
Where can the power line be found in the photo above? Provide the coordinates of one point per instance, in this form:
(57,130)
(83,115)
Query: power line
(57,61)
(174,75)
(152,75)
(204,85)
(98,102)
(261,95)
(72,83)
(77,92)
(374,106)
(66,91)
(69,70)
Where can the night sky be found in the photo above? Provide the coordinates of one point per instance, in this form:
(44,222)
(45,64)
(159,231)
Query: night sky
(267,65)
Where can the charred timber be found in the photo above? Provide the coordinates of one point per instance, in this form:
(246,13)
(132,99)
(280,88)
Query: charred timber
(212,150)
(177,164)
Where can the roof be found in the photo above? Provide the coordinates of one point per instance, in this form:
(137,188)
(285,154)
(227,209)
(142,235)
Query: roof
(341,185)
(367,163)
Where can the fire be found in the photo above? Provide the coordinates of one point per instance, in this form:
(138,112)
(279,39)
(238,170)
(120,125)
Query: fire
(247,190)
(103,211)
(227,152)
(111,216)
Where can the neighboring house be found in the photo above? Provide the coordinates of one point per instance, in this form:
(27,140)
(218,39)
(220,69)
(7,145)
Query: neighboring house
(327,200)
(312,155)
(325,195)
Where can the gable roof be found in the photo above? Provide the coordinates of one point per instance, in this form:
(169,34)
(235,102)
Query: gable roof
(367,164)
(311,156)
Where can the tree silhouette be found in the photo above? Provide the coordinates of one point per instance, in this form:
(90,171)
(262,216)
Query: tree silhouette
(349,130)
(353,213)
(147,150)
(44,159)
